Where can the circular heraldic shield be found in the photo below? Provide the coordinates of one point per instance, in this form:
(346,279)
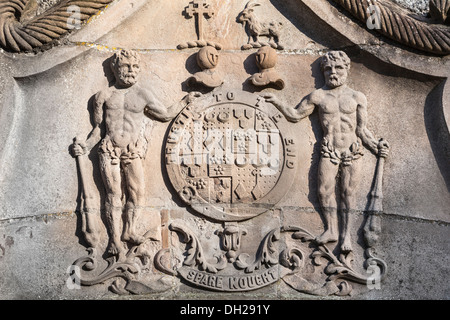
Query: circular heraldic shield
(230,155)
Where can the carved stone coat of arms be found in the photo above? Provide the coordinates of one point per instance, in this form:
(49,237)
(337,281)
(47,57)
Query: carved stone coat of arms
(206,146)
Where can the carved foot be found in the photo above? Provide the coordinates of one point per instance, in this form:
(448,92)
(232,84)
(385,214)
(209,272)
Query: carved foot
(273,44)
(117,250)
(247,46)
(91,239)
(346,247)
(326,237)
(133,238)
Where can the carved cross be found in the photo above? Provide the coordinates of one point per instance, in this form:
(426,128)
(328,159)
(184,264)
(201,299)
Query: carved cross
(199,8)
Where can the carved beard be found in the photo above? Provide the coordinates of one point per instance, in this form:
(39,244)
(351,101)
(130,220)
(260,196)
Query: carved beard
(336,81)
(127,78)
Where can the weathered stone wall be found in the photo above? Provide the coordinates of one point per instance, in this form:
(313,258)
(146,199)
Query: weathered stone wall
(46,100)
(417,6)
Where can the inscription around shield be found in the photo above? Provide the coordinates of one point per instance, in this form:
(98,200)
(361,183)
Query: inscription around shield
(230,155)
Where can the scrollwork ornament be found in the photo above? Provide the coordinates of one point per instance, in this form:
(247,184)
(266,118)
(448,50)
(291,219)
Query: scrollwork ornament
(293,259)
(338,270)
(266,254)
(195,255)
(187,194)
(127,269)
(162,263)
(127,274)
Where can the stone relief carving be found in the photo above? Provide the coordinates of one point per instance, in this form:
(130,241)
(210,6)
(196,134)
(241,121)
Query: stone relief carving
(199,165)
(325,273)
(231,236)
(306,265)
(127,111)
(229,155)
(439,10)
(199,9)
(397,25)
(30,25)
(256,28)
(266,59)
(23,27)
(343,115)
(207,60)
(228,275)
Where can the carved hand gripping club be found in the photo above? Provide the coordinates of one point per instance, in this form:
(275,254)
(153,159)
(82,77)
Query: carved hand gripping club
(89,225)
(372,227)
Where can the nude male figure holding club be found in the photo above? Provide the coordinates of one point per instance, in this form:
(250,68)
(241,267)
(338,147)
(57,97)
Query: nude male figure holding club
(123,108)
(343,117)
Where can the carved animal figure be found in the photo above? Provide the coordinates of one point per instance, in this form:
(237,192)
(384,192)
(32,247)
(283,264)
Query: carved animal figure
(257,28)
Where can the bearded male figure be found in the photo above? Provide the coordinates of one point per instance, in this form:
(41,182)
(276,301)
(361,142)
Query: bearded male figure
(123,108)
(343,117)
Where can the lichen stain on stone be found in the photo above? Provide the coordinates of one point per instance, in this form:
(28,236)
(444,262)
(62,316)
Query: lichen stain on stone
(25,231)
(96,15)
(99,47)
(9,241)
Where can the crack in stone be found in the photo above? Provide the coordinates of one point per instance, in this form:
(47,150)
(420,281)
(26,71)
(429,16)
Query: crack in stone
(47,216)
